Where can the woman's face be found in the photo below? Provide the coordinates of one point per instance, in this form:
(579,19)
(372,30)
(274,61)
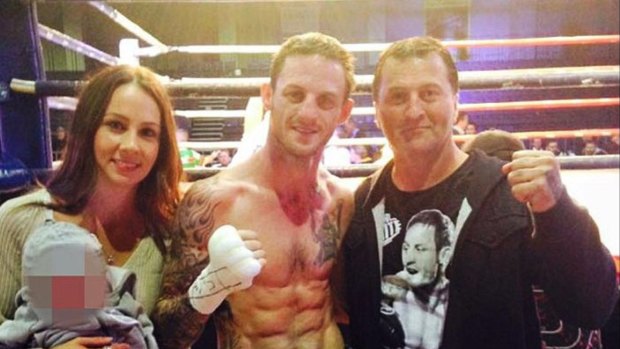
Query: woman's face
(127,141)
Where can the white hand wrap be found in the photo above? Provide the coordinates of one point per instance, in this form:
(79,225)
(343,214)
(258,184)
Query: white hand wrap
(232,267)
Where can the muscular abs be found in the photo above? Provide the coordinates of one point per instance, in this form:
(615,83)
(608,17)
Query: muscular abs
(290,304)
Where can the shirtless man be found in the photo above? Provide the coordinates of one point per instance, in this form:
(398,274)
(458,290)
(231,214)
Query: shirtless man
(262,236)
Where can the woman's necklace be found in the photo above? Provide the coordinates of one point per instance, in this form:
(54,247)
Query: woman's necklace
(109,257)
(112,255)
(105,243)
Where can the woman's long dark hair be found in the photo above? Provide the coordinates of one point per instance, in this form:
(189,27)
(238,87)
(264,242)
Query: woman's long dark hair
(74,182)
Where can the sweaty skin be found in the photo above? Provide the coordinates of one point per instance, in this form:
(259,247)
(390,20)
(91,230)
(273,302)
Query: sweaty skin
(290,304)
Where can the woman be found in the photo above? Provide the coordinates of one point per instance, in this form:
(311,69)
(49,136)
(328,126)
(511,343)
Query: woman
(119,180)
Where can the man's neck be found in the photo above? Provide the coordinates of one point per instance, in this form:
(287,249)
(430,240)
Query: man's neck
(296,181)
(286,172)
(423,170)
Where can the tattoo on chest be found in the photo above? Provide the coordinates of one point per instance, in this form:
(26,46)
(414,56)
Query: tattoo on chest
(327,235)
(300,205)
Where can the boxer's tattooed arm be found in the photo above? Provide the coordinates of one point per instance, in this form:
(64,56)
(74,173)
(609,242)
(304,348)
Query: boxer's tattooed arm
(177,324)
(328,235)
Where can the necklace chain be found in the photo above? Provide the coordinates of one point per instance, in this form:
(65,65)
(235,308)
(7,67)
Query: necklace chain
(107,248)
(109,256)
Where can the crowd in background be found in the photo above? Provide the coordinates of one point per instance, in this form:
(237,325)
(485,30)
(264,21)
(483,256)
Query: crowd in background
(364,154)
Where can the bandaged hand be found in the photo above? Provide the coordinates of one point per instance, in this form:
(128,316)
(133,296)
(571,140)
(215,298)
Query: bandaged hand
(232,267)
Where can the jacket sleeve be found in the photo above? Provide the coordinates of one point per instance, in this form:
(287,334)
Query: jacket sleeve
(359,272)
(577,270)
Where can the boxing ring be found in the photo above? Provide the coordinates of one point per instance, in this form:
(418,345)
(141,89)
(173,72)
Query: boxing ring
(591,180)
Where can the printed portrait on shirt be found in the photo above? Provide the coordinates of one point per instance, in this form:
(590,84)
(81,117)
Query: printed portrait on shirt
(416,297)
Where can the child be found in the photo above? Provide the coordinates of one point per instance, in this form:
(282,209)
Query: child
(70,292)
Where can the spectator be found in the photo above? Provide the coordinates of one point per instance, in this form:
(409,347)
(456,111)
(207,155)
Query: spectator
(460,123)
(189,157)
(59,141)
(349,129)
(360,154)
(536,144)
(497,143)
(471,129)
(613,147)
(591,148)
(554,147)
(218,158)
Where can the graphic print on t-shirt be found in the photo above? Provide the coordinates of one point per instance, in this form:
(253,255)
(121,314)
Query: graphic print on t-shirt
(391,228)
(415,298)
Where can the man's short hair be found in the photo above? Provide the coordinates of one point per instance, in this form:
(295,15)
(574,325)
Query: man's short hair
(444,227)
(416,47)
(498,143)
(314,43)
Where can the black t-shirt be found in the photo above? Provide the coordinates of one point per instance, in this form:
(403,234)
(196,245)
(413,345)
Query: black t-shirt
(414,306)
(400,206)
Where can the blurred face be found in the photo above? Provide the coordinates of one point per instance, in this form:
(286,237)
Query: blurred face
(67,284)
(223,157)
(419,255)
(307,104)
(470,129)
(61,133)
(182,135)
(416,105)
(554,148)
(589,149)
(127,141)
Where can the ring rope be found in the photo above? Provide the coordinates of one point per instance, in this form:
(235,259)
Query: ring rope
(381,141)
(594,76)
(542,104)
(70,43)
(583,162)
(69,103)
(126,23)
(378,47)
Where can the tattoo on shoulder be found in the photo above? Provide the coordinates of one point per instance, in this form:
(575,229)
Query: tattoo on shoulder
(328,234)
(194,219)
(193,225)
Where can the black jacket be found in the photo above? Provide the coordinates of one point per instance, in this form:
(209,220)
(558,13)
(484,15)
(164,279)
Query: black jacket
(495,262)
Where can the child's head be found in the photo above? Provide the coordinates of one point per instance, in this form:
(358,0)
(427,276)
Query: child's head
(64,271)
